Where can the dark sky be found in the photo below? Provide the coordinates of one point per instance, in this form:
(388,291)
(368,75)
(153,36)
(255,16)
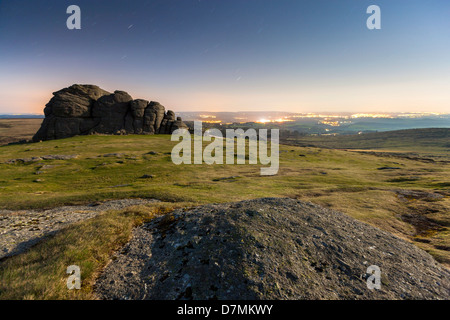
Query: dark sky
(230,55)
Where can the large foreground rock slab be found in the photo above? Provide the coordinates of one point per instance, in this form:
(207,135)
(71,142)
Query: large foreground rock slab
(268,249)
(88,109)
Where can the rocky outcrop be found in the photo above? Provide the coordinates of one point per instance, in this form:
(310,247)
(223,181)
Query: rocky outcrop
(88,109)
(271,249)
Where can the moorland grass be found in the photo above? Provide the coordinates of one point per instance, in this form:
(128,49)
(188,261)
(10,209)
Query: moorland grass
(346,181)
(423,141)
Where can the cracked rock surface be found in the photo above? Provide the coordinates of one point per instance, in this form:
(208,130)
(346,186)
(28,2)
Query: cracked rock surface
(271,248)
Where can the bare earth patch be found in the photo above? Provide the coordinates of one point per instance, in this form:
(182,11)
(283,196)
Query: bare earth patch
(19,230)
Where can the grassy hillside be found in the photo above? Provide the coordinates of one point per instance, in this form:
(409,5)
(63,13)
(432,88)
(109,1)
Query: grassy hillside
(113,167)
(363,186)
(416,140)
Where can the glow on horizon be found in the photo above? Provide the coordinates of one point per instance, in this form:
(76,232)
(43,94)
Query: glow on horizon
(295,56)
(14,101)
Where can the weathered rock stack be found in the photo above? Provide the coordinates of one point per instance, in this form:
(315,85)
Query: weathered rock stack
(88,109)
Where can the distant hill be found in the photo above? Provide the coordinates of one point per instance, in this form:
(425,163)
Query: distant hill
(21,116)
(412,140)
(15,130)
